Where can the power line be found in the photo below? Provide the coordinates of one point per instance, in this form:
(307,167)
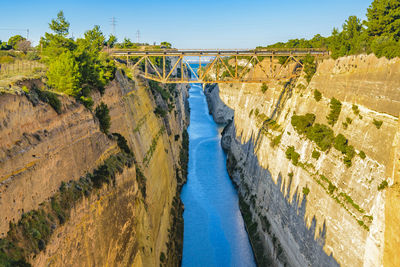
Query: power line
(14,29)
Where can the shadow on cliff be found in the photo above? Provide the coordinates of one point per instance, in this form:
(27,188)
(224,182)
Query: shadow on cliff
(282,218)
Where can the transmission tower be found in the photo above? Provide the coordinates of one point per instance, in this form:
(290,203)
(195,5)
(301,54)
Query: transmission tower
(138,36)
(113,24)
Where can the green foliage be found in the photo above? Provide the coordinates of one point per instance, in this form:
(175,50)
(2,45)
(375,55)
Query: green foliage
(64,75)
(385,46)
(355,109)
(87,101)
(322,135)
(292,155)
(383,18)
(60,25)
(306,190)
(14,40)
(112,40)
(166,44)
(310,67)
(160,112)
(336,107)
(34,229)
(379,34)
(264,88)
(103,115)
(45,96)
(341,144)
(331,187)
(316,154)
(276,140)
(317,95)
(378,124)
(141,179)
(351,202)
(362,155)
(383,185)
(74,65)
(302,123)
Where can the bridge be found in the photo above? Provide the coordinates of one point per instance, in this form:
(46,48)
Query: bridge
(223,66)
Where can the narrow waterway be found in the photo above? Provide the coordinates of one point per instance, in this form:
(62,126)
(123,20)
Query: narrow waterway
(214,233)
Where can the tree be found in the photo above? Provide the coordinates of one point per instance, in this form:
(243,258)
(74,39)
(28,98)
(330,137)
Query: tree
(112,40)
(103,114)
(384,18)
(64,75)
(166,44)
(60,25)
(14,40)
(23,45)
(352,30)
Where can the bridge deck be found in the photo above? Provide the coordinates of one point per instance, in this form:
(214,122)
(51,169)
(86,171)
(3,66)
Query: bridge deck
(228,52)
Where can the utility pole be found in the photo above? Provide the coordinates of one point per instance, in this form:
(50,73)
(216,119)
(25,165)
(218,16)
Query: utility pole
(137,36)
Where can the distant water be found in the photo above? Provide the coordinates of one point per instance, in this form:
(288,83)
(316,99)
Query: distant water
(214,233)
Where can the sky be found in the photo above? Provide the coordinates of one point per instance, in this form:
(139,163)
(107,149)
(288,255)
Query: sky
(185,23)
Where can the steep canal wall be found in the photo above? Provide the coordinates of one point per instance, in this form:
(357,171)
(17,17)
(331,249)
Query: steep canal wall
(314,188)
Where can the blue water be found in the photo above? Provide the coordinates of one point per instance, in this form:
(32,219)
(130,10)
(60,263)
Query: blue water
(214,233)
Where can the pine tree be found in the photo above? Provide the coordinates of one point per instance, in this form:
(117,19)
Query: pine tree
(63,74)
(384,18)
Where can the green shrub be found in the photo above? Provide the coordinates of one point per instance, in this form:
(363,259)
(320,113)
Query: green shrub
(302,123)
(355,109)
(48,97)
(87,102)
(383,185)
(362,155)
(317,95)
(103,115)
(336,107)
(316,154)
(378,124)
(322,135)
(276,140)
(310,67)
(160,112)
(264,88)
(306,190)
(64,75)
(292,155)
(348,120)
(340,143)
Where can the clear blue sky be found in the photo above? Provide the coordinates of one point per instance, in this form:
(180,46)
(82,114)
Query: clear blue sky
(186,24)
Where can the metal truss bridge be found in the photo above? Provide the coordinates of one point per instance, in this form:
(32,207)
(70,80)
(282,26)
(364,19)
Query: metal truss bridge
(223,66)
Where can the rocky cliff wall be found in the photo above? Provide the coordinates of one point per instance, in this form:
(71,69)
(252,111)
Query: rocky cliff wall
(305,210)
(136,219)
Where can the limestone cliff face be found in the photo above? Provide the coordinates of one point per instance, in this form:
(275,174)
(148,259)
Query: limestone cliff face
(316,211)
(220,112)
(119,225)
